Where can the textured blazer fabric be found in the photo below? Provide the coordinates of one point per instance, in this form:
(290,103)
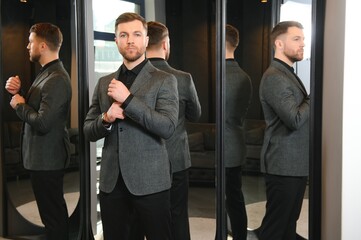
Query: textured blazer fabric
(135,147)
(189,110)
(286,109)
(45,140)
(238,98)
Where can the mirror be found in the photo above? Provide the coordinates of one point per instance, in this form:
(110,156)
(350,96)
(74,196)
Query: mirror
(254,60)
(188,31)
(17,17)
(192,40)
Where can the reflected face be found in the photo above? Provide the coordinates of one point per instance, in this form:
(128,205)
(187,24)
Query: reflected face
(293,44)
(34,47)
(132,40)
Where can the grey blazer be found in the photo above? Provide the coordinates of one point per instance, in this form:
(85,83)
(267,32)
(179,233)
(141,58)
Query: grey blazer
(285,103)
(136,146)
(189,109)
(45,140)
(238,98)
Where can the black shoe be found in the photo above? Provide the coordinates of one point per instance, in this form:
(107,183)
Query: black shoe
(299,237)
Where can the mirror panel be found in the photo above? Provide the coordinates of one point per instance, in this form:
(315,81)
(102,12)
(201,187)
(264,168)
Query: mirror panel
(16,19)
(106,60)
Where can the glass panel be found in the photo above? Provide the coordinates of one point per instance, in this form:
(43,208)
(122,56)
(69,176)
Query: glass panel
(15,24)
(107,58)
(104,15)
(301,11)
(254,60)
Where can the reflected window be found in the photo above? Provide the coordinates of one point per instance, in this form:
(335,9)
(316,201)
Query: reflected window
(301,11)
(107,57)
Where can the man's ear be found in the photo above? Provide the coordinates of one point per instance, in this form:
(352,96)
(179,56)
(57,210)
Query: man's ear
(43,46)
(279,44)
(164,45)
(146,41)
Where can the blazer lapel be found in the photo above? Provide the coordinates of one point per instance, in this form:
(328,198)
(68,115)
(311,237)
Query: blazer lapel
(40,78)
(143,76)
(291,76)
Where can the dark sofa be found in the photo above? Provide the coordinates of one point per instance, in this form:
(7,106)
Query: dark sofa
(202,139)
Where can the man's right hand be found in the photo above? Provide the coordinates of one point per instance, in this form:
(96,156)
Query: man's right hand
(115,111)
(13,85)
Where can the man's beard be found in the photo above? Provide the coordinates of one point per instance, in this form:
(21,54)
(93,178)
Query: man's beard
(35,57)
(294,57)
(131,57)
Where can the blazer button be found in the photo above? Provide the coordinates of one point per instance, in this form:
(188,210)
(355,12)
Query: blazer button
(120,129)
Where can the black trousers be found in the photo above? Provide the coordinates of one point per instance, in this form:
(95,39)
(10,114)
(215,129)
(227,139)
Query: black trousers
(49,195)
(235,204)
(284,202)
(179,206)
(120,211)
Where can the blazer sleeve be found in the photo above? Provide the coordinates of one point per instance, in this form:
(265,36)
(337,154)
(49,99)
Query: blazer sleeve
(287,100)
(162,119)
(93,126)
(193,107)
(52,105)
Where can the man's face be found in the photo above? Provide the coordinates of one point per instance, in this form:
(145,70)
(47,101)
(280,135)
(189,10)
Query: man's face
(293,44)
(132,40)
(34,46)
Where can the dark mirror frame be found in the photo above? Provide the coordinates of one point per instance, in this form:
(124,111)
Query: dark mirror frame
(318,17)
(85,231)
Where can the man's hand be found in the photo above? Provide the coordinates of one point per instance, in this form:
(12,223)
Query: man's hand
(13,85)
(15,100)
(115,111)
(118,91)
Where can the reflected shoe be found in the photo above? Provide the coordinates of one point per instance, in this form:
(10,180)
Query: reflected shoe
(299,237)
(252,234)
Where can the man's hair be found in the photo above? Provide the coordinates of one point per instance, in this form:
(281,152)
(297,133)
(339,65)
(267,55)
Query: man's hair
(232,35)
(282,28)
(129,17)
(156,33)
(50,33)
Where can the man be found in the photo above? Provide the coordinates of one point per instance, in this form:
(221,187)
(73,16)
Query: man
(238,98)
(285,151)
(158,52)
(45,141)
(134,109)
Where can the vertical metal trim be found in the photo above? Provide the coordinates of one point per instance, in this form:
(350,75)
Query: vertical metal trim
(315,188)
(2,192)
(85,231)
(221,233)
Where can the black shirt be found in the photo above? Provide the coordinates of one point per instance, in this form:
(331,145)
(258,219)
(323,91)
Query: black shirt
(127,77)
(42,69)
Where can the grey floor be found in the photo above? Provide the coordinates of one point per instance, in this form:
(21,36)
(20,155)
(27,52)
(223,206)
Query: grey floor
(202,199)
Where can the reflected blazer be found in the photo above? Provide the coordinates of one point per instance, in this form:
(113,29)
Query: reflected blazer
(189,109)
(45,140)
(238,98)
(135,147)
(286,108)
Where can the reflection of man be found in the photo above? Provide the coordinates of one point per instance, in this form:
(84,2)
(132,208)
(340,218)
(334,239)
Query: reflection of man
(134,109)
(45,140)
(238,97)
(158,52)
(285,151)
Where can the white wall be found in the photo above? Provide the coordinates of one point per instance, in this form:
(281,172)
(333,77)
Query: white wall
(332,120)
(341,195)
(351,164)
